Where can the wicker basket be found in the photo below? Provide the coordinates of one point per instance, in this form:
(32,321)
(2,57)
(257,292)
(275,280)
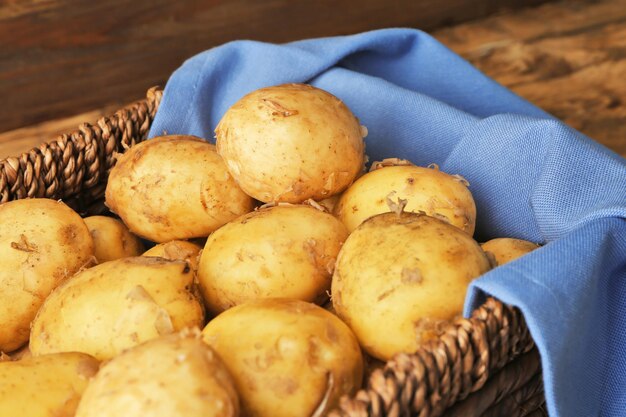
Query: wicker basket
(483,366)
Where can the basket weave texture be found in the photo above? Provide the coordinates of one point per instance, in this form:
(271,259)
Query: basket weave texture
(75,166)
(486,365)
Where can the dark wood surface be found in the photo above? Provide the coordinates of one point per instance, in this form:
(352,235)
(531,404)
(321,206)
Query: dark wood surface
(567,57)
(62,57)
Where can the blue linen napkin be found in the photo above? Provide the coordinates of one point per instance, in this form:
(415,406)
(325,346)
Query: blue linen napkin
(532,177)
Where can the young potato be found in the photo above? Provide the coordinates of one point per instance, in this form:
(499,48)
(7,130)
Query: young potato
(42,242)
(112,239)
(281,251)
(21,353)
(288,358)
(115,305)
(400,276)
(290,143)
(425,189)
(506,249)
(174,187)
(172,376)
(181,250)
(45,386)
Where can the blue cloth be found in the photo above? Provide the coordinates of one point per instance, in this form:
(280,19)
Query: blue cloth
(532,177)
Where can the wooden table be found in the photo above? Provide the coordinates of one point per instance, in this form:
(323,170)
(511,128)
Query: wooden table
(567,57)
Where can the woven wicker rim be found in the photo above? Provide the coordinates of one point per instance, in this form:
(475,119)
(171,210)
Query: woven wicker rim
(75,166)
(444,376)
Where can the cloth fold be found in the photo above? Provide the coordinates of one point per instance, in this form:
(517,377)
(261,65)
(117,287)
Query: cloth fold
(532,177)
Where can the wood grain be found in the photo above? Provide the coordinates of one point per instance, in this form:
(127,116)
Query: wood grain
(62,57)
(568,58)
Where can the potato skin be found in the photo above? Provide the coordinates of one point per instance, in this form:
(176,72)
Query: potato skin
(112,239)
(116,305)
(505,249)
(280,251)
(288,358)
(42,242)
(170,376)
(429,190)
(21,353)
(181,250)
(399,277)
(290,143)
(330,203)
(45,386)
(172,188)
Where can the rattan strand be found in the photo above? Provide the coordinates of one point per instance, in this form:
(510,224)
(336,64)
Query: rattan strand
(539,412)
(521,402)
(442,373)
(74,166)
(500,394)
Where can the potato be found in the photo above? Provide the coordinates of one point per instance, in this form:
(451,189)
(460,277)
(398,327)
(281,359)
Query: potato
(506,249)
(174,187)
(181,250)
(115,305)
(399,277)
(290,143)
(42,242)
(21,353)
(112,239)
(288,357)
(429,190)
(46,386)
(280,251)
(170,376)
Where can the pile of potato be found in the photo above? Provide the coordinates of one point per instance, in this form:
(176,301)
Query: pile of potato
(223,315)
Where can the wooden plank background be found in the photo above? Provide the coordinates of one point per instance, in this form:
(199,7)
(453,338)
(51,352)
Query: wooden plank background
(62,57)
(567,57)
